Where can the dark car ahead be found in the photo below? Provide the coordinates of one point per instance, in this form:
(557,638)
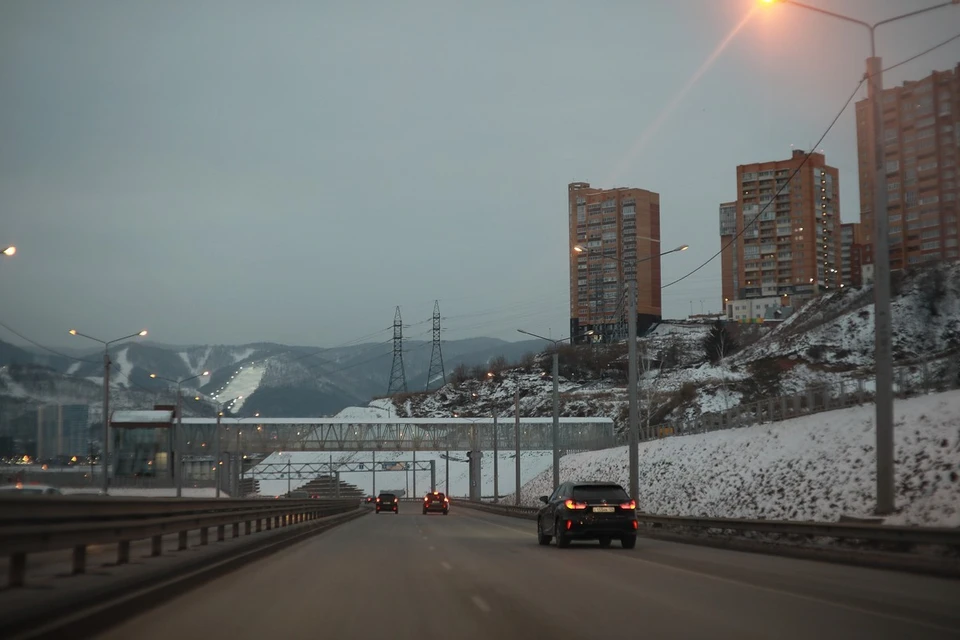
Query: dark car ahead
(436,501)
(588,511)
(387,502)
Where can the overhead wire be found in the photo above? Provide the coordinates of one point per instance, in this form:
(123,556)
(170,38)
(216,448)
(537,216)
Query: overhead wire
(806,157)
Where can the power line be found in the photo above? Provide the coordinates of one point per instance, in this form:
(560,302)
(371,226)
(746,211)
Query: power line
(40,346)
(785,184)
(922,53)
(806,157)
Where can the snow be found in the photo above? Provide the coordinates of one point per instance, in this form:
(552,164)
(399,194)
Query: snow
(810,468)
(120,374)
(245,380)
(72,369)
(147,416)
(364,413)
(273,480)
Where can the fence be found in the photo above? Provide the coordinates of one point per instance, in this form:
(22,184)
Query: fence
(928,377)
(47,523)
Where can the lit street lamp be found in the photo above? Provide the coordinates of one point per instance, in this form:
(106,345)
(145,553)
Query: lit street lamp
(632,374)
(886,491)
(177,461)
(556,399)
(105,450)
(9,251)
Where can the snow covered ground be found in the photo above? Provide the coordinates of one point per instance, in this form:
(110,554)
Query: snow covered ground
(244,381)
(272,476)
(811,468)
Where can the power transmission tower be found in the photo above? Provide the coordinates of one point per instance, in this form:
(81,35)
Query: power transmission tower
(398,376)
(436,354)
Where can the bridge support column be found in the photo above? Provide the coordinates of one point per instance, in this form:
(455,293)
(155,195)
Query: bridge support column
(475,477)
(433,475)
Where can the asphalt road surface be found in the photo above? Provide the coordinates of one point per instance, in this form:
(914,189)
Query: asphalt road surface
(476,575)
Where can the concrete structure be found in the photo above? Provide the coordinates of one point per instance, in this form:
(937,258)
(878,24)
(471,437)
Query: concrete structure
(921,148)
(788,217)
(754,309)
(729,259)
(853,251)
(621,223)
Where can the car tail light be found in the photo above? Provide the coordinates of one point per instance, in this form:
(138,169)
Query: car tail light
(635,525)
(446,499)
(632,505)
(378,499)
(569,524)
(570,504)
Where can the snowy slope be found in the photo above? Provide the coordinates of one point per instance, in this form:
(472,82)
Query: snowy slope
(812,468)
(243,382)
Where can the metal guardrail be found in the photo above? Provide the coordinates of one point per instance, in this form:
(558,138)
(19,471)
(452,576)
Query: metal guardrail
(37,524)
(840,530)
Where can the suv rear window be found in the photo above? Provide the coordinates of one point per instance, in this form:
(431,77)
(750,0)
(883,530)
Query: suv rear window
(611,493)
(387,497)
(437,496)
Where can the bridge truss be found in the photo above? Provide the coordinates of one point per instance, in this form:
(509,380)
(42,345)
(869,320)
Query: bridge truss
(267,435)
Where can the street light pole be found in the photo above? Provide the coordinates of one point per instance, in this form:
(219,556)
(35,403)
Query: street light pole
(216,440)
(633,423)
(883,356)
(105,449)
(555,430)
(633,401)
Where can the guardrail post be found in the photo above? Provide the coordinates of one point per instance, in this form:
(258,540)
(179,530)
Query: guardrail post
(259,525)
(236,529)
(220,532)
(79,560)
(269,520)
(17,569)
(123,552)
(204,536)
(182,541)
(156,545)
(246,527)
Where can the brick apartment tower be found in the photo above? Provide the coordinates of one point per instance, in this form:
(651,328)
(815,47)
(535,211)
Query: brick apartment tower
(789,244)
(920,122)
(623,223)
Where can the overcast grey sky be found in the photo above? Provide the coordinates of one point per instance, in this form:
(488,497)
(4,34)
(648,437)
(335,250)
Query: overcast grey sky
(232,171)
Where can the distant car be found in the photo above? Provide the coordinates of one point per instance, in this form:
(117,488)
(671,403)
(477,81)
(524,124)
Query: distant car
(32,489)
(436,501)
(387,502)
(369,499)
(298,495)
(588,511)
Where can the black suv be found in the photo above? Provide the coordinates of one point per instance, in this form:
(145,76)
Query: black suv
(387,502)
(436,501)
(588,511)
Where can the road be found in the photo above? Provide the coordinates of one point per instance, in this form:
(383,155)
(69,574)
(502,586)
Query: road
(476,575)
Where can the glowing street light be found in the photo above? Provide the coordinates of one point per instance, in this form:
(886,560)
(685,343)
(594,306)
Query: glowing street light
(9,251)
(106,389)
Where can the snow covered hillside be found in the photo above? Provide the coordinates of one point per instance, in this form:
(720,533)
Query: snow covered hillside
(810,468)
(826,345)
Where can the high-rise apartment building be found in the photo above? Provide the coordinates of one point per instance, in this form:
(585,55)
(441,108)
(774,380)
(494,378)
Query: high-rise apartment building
(784,229)
(921,140)
(618,228)
(851,254)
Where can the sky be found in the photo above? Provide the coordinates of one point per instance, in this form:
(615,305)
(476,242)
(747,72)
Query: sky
(230,171)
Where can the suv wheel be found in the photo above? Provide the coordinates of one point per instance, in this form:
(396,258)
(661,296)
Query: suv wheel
(628,542)
(542,538)
(562,540)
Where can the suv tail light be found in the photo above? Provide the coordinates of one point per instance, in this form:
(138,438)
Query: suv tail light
(446,499)
(632,505)
(570,504)
(378,499)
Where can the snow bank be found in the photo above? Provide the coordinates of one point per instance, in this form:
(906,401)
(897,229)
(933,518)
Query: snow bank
(811,468)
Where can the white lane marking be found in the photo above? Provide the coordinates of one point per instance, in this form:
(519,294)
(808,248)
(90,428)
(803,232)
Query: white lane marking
(481,604)
(754,586)
(446,565)
(800,596)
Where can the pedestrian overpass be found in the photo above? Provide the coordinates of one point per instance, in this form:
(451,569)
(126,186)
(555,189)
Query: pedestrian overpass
(265,435)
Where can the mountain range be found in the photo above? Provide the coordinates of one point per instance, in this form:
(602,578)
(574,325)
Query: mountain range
(274,379)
